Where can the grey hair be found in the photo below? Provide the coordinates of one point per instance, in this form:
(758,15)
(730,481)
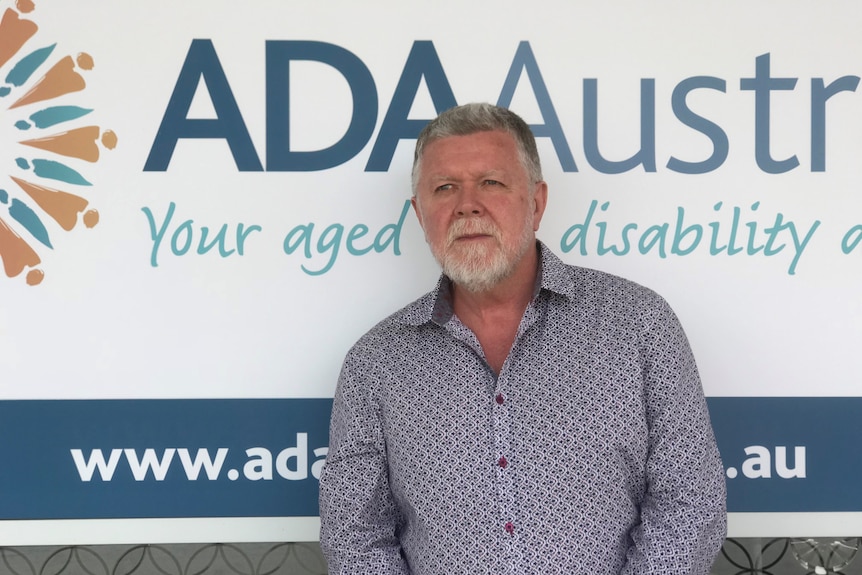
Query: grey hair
(480,117)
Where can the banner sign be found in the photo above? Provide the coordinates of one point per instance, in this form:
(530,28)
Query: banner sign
(86,459)
(204,204)
(113,459)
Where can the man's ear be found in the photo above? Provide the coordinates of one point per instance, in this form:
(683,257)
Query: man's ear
(417,211)
(540,200)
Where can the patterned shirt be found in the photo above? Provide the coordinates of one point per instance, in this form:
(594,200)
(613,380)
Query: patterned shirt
(590,453)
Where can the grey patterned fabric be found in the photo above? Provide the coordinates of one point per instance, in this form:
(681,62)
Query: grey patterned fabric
(591,452)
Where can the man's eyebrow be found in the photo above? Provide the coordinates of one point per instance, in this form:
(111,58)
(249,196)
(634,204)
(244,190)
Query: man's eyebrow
(478,174)
(437,178)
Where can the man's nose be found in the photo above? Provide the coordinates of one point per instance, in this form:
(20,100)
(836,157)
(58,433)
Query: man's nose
(469,201)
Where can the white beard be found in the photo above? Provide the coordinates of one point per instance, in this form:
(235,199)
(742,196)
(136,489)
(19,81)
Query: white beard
(479,266)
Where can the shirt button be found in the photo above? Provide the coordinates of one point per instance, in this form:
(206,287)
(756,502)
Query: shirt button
(499,399)
(502,462)
(509,527)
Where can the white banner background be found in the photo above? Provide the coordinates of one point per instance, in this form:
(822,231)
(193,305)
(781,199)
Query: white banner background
(105,323)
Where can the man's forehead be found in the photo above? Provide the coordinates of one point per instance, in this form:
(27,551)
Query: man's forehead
(477,146)
(474,156)
(484,135)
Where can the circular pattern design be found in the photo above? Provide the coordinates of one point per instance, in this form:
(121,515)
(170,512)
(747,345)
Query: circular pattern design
(191,559)
(739,557)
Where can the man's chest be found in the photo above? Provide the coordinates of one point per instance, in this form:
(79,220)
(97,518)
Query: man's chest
(550,405)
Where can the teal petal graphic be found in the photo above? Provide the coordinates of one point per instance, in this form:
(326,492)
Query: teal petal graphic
(27,65)
(57,171)
(57,114)
(4,91)
(4,196)
(28,218)
(22,125)
(22,163)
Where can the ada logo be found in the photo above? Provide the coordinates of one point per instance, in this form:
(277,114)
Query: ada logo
(44,142)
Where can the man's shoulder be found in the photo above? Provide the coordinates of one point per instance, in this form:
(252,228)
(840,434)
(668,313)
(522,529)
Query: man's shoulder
(586,285)
(582,284)
(614,302)
(399,327)
(613,283)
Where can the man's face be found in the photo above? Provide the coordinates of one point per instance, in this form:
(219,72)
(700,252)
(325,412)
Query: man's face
(478,207)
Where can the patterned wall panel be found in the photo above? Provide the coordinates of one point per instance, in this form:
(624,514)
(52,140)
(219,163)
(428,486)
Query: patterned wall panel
(782,556)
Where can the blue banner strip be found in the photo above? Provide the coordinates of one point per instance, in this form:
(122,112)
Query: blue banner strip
(69,459)
(267,469)
(790,454)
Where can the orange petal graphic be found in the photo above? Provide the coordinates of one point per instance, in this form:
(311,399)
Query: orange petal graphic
(109,139)
(91,218)
(35,277)
(15,252)
(78,143)
(85,61)
(62,206)
(14,32)
(61,79)
(25,6)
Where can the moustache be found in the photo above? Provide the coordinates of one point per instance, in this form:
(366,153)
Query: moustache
(471,227)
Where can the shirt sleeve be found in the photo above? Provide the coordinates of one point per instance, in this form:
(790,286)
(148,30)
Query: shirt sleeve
(358,516)
(683,513)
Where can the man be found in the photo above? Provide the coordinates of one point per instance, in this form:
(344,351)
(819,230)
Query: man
(525,416)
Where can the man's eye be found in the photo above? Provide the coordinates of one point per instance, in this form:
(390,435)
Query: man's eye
(491,183)
(443,188)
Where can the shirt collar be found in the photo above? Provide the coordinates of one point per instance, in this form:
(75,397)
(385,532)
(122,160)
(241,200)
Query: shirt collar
(436,306)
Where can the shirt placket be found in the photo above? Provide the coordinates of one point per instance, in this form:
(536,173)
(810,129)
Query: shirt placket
(504,405)
(505,466)
(503,459)
(499,451)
